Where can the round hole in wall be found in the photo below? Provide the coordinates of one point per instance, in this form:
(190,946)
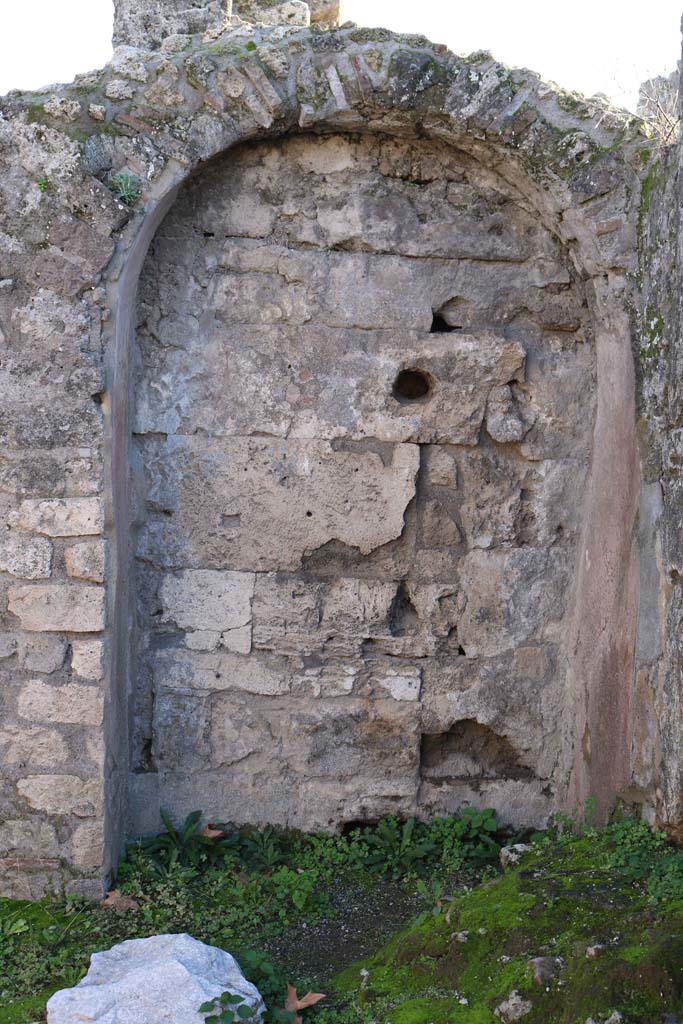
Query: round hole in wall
(412,386)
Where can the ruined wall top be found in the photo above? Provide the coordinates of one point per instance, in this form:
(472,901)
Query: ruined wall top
(147,23)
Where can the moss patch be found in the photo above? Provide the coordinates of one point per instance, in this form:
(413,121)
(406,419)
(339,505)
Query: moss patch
(565,897)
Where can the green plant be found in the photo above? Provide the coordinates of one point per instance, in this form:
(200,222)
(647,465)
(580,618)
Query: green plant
(637,848)
(43,184)
(127,188)
(467,838)
(264,849)
(295,886)
(330,856)
(397,849)
(271,981)
(227,1008)
(190,846)
(432,893)
(12,925)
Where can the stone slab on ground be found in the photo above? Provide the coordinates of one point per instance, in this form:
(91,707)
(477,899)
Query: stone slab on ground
(160,980)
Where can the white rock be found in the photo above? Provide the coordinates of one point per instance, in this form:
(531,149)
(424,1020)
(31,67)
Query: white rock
(511,855)
(511,1009)
(149,981)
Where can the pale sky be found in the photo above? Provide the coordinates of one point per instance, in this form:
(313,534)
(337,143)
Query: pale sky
(585,45)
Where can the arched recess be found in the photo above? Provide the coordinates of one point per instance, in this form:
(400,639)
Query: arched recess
(503,125)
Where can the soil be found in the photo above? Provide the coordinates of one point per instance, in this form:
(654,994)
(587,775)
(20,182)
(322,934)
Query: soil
(363,919)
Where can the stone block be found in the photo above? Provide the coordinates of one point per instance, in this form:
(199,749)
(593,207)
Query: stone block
(62,517)
(274,12)
(28,834)
(85,561)
(62,794)
(401,683)
(70,704)
(42,653)
(91,889)
(87,845)
(146,24)
(33,747)
(281,499)
(329,738)
(347,389)
(143,817)
(29,878)
(59,607)
(208,599)
(29,558)
(87,658)
(180,730)
(296,616)
(261,673)
(8,644)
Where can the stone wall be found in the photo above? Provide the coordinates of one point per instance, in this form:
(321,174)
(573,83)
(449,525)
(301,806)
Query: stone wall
(657,751)
(341,606)
(308,214)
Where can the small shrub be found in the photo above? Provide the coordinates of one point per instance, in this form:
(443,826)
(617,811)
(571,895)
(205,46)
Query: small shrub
(263,849)
(470,838)
(636,848)
(397,849)
(190,846)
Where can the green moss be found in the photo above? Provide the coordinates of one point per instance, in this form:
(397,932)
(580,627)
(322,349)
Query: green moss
(31,1008)
(564,898)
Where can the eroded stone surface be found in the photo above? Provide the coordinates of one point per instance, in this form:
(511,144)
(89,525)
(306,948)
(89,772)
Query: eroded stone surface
(146,24)
(358,423)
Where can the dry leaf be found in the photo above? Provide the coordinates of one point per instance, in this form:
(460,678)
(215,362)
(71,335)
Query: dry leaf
(210,832)
(294,1004)
(115,901)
